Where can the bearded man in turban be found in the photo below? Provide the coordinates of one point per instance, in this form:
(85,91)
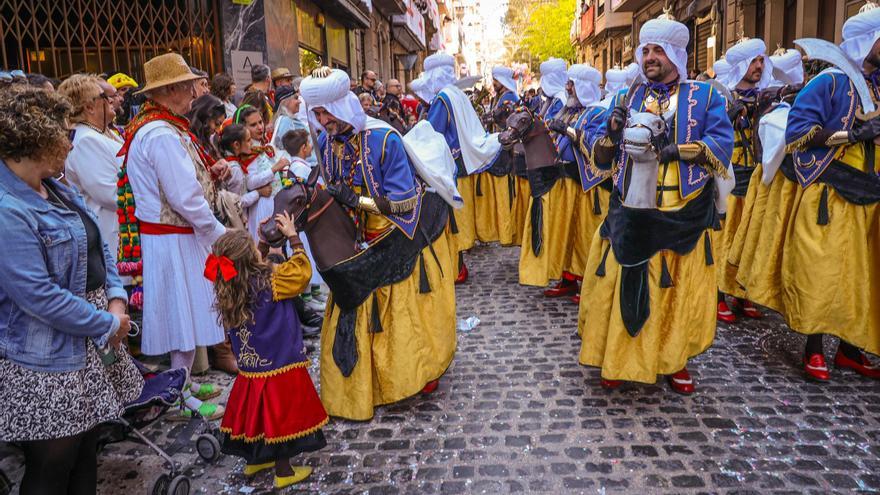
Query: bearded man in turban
(650,288)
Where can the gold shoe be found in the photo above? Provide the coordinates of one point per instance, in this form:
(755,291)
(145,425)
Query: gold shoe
(252,469)
(299,473)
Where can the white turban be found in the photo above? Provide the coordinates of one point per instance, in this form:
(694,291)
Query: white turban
(788,67)
(586,83)
(741,55)
(504,75)
(722,70)
(615,80)
(553,78)
(670,35)
(860,32)
(420,87)
(332,93)
(439,73)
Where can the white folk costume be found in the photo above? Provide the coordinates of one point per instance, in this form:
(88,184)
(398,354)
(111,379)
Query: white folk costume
(402,336)
(830,262)
(650,288)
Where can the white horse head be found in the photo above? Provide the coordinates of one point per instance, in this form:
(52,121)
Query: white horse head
(642,131)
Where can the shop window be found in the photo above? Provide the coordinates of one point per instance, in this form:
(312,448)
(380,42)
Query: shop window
(337,41)
(308,29)
(308,61)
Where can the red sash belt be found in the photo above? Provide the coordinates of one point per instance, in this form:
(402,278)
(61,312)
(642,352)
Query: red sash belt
(163,229)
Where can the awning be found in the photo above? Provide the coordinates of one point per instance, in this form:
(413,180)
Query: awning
(390,7)
(353,14)
(409,28)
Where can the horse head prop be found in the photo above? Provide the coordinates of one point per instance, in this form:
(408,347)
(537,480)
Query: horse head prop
(643,138)
(524,127)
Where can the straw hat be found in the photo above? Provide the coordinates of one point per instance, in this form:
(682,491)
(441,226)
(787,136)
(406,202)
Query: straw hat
(281,73)
(166,69)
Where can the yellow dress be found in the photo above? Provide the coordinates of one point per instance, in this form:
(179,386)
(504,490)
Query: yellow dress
(724,240)
(512,233)
(681,324)
(557,224)
(587,219)
(465,217)
(492,206)
(831,273)
(416,345)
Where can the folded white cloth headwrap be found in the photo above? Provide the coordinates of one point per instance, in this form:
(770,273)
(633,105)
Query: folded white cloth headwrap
(670,35)
(586,83)
(741,55)
(860,32)
(615,80)
(420,87)
(788,67)
(722,70)
(479,149)
(332,94)
(439,72)
(553,78)
(504,75)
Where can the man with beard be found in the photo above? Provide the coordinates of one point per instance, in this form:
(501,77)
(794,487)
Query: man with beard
(404,336)
(651,280)
(831,267)
(495,188)
(750,73)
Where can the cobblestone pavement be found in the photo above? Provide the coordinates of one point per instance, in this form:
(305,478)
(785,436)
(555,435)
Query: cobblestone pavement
(516,413)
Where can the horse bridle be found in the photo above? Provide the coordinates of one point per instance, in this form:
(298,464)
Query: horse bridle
(517,135)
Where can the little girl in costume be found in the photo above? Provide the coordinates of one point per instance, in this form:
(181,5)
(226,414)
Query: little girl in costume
(274,411)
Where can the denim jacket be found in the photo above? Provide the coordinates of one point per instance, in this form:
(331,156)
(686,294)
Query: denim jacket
(44,317)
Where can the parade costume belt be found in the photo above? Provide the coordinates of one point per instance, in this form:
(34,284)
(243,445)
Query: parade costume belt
(503,165)
(388,261)
(570,170)
(541,180)
(853,185)
(519,165)
(636,235)
(742,175)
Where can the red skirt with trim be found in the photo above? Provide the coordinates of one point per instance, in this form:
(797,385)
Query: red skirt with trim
(273,417)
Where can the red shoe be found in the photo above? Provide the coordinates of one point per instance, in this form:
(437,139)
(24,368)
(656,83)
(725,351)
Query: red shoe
(815,367)
(681,382)
(725,314)
(576,299)
(562,288)
(749,310)
(431,386)
(463,274)
(610,384)
(864,368)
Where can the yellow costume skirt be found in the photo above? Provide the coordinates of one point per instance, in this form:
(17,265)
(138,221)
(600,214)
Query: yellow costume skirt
(511,235)
(831,273)
(681,324)
(558,206)
(760,268)
(723,240)
(741,253)
(416,344)
(589,213)
(465,219)
(492,202)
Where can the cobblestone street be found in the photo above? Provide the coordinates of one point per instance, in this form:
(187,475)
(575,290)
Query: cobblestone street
(517,414)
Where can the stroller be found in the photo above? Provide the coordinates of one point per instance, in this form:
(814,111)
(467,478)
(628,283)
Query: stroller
(161,392)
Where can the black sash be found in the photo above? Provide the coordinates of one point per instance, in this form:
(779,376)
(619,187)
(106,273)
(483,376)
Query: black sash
(570,170)
(742,175)
(853,185)
(541,180)
(637,235)
(384,263)
(503,164)
(519,165)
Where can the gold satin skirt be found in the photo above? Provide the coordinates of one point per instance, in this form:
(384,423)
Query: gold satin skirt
(831,273)
(681,324)
(587,220)
(760,264)
(741,253)
(465,218)
(558,204)
(416,344)
(723,240)
(511,234)
(492,206)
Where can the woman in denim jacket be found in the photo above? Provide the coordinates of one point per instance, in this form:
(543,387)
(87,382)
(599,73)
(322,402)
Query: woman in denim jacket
(62,370)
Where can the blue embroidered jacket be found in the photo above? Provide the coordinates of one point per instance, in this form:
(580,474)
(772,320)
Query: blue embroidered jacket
(829,102)
(589,119)
(700,117)
(377,161)
(442,119)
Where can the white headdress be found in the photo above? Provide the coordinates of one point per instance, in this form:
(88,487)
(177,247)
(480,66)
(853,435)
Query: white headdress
(615,80)
(722,70)
(329,89)
(670,35)
(553,78)
(504,75)
(788,67)
(420,87)
(741,55)
(439,72)
(860,32)
(586,83)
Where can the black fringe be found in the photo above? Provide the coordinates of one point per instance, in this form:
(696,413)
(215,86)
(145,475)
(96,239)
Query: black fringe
(424,283)
(707,242)
(600,270)
(537,220)
(597,208)
(453,225)
(511,190)
(665,277)
(823,207)
(375,317)
(479,185)
(345,344)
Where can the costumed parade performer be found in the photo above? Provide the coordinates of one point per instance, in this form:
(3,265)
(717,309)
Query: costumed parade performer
(401,339)
(830,267)
(651,287)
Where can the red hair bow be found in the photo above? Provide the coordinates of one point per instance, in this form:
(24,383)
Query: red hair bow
(220,264)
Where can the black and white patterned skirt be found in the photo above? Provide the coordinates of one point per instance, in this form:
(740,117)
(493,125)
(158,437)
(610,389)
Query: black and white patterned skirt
(37,405)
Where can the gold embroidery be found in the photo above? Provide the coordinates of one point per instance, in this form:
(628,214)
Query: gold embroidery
(248,357)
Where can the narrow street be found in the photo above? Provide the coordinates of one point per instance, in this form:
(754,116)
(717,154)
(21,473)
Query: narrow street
(516,413)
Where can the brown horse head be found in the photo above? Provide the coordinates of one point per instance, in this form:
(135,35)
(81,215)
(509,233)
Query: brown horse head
(331,232)
(523,126)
